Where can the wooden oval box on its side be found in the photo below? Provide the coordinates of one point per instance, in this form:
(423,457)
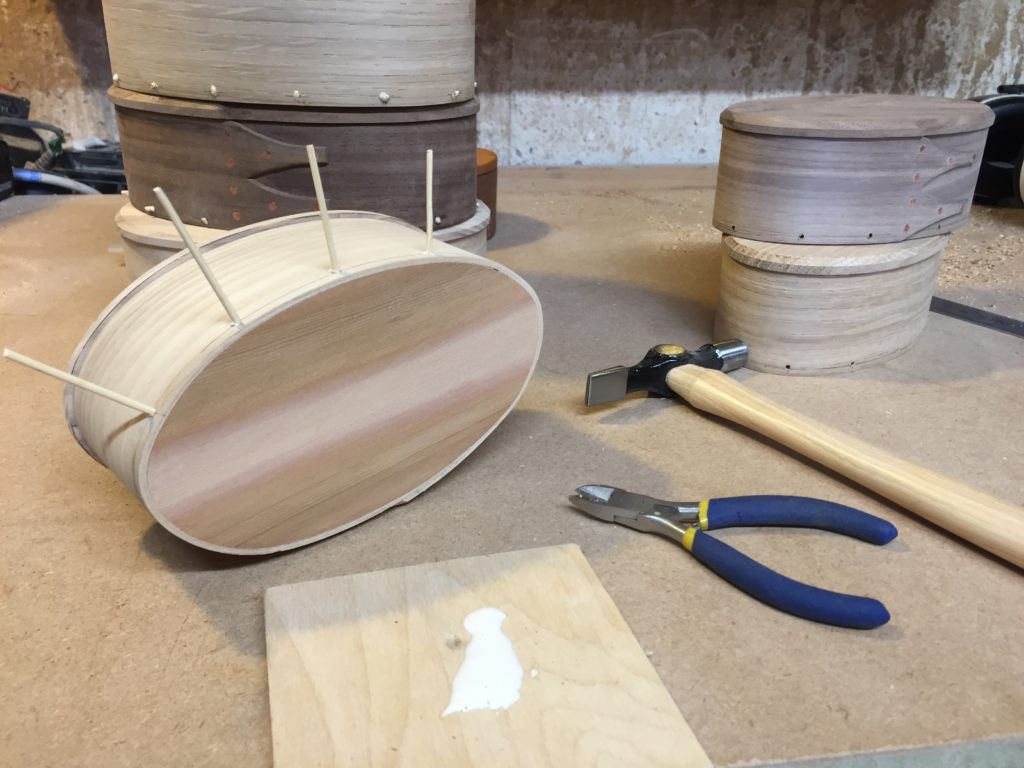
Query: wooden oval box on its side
(807,309)
(339,395)
(149,240)
(848,169)
(236,165)
(349,53)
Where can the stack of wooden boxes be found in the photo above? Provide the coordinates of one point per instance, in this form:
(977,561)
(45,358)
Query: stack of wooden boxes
(835,211)
(216,104)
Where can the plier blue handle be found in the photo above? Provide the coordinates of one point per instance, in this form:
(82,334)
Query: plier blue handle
(686,522)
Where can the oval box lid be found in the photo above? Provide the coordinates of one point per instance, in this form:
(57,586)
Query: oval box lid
(857,116)
(832,259)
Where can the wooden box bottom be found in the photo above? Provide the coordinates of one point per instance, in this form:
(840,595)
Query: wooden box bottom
(149,240)
(825,309)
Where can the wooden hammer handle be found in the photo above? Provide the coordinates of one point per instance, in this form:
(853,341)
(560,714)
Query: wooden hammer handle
(991,523)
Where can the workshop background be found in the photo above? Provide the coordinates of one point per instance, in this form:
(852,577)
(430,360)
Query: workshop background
(121,644)
(632,83)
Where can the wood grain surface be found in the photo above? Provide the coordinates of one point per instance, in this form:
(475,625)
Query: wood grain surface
(361,668)
(317,52)
(801,314)
(794,189)
(339,396)
(995,525)
(149,240)
(235,166)
(858,116)
(832,259)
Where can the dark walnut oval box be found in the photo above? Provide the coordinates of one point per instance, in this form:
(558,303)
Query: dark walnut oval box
(848,170)
(228,165)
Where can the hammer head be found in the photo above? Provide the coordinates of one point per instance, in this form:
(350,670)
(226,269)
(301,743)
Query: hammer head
(649,374)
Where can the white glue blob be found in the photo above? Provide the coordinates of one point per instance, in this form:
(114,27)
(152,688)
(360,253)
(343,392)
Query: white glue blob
(490,676)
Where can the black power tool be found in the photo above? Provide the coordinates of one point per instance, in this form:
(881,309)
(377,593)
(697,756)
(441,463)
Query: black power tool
(6,172)
(999,180)
(41,160)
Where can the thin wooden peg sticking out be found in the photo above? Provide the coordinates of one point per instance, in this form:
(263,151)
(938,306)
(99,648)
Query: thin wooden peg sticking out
(96,389)
(321,202)
(430,200)
(197,255)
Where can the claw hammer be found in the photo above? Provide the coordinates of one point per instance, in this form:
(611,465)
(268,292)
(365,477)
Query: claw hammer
(699,378)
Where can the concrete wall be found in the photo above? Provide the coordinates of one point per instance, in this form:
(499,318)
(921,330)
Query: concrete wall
(54,52)
(601,82)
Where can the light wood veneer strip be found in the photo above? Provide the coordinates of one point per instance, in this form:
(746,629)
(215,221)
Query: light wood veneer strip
(353,53)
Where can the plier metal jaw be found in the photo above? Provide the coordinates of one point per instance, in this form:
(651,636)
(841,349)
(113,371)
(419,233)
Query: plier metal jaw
(642,513)
(685,523)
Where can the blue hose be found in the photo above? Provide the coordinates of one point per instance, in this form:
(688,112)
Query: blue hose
(54,180)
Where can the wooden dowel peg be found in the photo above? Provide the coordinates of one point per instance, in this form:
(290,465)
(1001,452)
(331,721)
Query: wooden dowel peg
(96,389)
(321,202)
(430,199)
(197,255)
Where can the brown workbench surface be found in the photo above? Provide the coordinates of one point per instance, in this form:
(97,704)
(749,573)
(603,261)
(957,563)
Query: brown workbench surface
(122,645)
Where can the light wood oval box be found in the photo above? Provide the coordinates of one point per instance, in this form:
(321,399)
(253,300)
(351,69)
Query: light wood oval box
(806,309)
(149,240)
(343,53)
(234,165)
(339,395)
(856,169)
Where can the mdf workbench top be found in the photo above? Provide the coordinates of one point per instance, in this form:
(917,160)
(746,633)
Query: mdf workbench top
(122,645)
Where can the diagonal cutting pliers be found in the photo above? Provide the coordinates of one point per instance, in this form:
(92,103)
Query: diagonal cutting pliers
(685,523)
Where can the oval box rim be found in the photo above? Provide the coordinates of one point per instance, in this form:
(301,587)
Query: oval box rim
(823,260)
(284,113)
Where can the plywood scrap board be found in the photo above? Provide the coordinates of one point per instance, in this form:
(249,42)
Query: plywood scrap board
(362,668)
